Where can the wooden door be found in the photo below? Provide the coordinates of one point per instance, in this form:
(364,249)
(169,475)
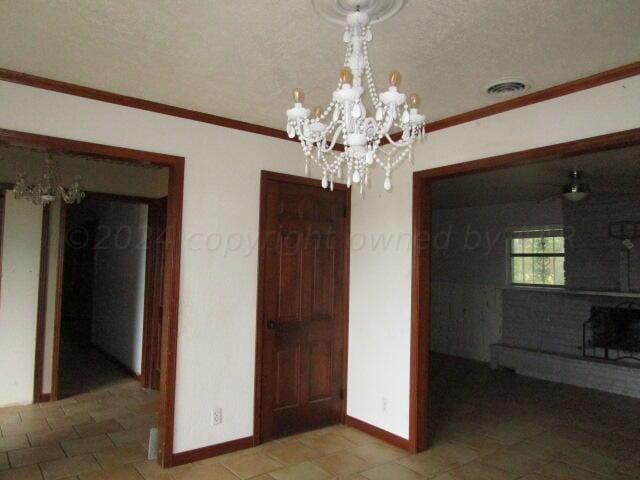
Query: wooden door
(303,298)
(154,293)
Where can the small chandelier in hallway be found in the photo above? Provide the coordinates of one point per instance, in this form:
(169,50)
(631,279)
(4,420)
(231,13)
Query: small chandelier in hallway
(47,190)
(346,119)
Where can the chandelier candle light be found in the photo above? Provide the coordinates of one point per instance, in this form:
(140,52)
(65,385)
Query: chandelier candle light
(47,191)
(347,119)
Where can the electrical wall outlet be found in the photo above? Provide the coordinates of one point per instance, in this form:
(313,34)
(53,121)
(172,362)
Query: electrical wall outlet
(385,404)
(216,417)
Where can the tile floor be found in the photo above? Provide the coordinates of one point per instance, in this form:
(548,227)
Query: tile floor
(487,426)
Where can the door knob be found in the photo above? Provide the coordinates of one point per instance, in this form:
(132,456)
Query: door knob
(271,324)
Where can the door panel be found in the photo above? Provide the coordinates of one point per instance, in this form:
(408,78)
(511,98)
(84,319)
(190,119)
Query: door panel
(302,326)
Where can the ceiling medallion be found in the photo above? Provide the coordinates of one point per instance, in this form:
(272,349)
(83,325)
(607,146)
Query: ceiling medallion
(346,119)
(47,190)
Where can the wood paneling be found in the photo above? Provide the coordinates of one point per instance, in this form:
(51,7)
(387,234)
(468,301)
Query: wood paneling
(421,281)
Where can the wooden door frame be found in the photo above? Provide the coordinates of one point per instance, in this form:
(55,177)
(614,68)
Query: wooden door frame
(149,288)
(175,164)
(265,177)
(421,253)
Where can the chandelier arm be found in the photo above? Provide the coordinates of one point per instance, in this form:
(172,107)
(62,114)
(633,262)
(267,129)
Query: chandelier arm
(334,140)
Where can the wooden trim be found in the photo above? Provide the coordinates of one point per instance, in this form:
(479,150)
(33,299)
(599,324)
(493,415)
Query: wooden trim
(212,451)
(172,262)
(57,319)
(116,197)
(42,303)
(2,207)
(44,397)
(601,78)
(267,176)
(585,83)
(421,281)
(133,102)
(377,432)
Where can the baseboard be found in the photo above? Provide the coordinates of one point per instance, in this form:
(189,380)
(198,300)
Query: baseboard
(211,451)
(44,397)
(378,433)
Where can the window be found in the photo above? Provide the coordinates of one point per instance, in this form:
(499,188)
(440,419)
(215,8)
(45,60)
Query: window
(536,256)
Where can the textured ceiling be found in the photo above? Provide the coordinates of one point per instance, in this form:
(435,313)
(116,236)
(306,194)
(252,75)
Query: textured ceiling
(241,58)
(615,170)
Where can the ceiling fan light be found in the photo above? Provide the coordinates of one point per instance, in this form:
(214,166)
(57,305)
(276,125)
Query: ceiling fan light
(575,192)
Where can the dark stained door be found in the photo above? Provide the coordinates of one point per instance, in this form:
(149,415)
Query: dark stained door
(303,309)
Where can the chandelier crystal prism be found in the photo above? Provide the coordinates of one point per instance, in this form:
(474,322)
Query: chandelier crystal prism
(47,190)
(368,140)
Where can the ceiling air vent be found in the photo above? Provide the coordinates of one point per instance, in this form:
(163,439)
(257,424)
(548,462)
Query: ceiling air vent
(506,87)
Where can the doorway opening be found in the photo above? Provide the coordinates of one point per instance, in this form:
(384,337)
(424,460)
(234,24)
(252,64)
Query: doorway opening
(111,307)
(303,278)
(523,269)
(126,228)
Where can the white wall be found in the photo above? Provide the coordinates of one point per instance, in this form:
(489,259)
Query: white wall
(216,338)
(119,282)
(381,279)
(22,235)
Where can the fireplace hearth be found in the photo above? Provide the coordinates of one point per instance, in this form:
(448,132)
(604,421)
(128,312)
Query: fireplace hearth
(613,333)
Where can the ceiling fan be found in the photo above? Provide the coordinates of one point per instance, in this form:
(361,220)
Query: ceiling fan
(576,189)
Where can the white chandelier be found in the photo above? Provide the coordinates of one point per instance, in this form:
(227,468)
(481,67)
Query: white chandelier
(47,191)
(347,119)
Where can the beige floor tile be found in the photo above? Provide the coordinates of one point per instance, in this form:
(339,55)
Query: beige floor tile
(393,471)
(122,473)
(80,446)
(138,420)
(247,466)
(48,437)
(291,453)
(136,436)
(455,454)
(564,471)
(69,420)
(81,407)
(31,472)
(69,467)
(8,416)
(513,462)
(594,462)
(151,470)
(118,456)
(328,443)
(341,463)
(43,412)
(426,464)
(357,437)
(301,471)
(108,413)
(477,471)
(4,461)
(34,425)
(205,472)
(33,455)
(377,453)
(96,428)
(13,442)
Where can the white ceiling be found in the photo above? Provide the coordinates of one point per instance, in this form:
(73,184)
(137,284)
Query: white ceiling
(241,58)
(615,170)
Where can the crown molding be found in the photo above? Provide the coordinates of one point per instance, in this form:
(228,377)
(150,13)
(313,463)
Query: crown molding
(567,88)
